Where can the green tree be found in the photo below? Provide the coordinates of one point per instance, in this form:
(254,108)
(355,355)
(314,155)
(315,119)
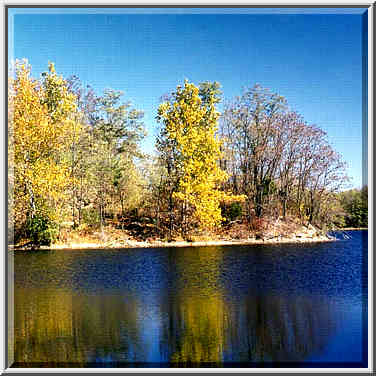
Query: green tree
(355,205)
(117,131)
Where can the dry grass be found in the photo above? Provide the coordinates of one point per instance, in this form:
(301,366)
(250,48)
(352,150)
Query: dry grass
(267,229)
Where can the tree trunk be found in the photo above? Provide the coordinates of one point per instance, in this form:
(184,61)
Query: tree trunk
(258,201)
(170,213)
(32,201)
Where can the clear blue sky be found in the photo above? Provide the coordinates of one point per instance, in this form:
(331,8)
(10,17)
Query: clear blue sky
(311,57)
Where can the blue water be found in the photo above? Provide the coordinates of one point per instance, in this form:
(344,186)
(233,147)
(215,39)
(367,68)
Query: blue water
(232,306)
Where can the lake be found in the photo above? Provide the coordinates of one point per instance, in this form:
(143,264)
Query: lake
(298,305)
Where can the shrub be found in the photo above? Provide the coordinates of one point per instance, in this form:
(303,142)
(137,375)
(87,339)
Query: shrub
(41,230)
(232,212)
(90,216)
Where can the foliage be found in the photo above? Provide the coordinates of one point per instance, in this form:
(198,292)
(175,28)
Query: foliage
(104,159)
(191,123)
(232,211)
(40,230)
(251,128)
(277,160)
(90,216)
(70,149)
(75,158)
(355,204)
(42,129)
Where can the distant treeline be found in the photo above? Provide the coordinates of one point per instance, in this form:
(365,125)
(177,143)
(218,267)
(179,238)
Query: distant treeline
(354,203)
(75,158)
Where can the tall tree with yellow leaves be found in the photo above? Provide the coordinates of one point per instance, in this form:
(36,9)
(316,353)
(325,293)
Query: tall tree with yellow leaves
(42,128)
(191,121)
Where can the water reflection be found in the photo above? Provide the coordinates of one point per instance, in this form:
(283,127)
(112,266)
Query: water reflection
(179,308)
(200,315)
(55,326)
(279,329)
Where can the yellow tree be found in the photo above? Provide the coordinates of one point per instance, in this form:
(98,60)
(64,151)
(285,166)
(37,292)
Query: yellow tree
(42,129)
(191,122)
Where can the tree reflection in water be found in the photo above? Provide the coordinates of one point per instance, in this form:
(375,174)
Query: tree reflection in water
(56,326)
(180,312)
(278,328)
(200,316)
(208,326)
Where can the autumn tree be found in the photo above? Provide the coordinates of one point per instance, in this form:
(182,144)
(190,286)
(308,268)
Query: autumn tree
(281,163)
(190,126)
(250,128)
(326,176)
(42,129)
(106,157)
(292,128)
(81,150)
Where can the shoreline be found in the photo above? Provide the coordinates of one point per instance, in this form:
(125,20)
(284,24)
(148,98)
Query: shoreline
(352,229)
(180,244)
(277,235)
